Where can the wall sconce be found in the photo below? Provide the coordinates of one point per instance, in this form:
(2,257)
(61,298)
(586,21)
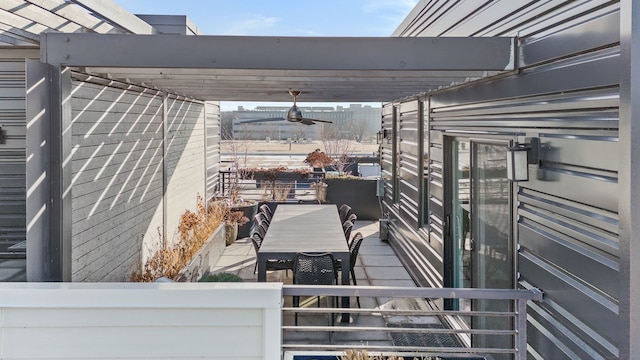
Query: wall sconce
(519,156)
(382,135)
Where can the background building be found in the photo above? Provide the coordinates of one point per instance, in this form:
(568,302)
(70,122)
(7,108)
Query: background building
(357,122)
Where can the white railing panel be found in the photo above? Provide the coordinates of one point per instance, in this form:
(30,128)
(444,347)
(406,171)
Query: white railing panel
(129,321)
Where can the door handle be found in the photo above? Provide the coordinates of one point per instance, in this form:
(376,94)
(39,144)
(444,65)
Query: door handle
(471,245)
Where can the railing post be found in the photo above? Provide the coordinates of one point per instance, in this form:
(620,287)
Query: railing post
(521,343)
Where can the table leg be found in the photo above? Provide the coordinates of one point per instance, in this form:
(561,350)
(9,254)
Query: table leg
(346,317)
(262,268)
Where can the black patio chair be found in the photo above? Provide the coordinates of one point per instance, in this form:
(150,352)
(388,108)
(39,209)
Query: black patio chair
(352,217)
(260,217)
(266,210)
(344,211)
(347,226)
(314,269)
(274,264)
(260,228)
(354,248)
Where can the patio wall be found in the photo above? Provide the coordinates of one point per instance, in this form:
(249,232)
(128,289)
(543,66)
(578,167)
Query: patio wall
(137,166)
(140,321)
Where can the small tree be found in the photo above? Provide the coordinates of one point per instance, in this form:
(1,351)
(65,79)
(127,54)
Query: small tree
(238,151)
(339,149)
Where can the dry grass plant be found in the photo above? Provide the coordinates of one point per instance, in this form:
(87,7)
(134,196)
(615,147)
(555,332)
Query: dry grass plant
(281,190)
(194,230)
(363,355)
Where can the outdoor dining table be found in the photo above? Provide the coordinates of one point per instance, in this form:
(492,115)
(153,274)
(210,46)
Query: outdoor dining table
(306,228)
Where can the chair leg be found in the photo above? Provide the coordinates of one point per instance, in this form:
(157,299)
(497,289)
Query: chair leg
(355,282)
(296,303)
(333,315)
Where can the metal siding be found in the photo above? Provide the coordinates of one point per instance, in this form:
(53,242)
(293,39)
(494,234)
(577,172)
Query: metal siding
(568,96)
(212,148)
(386,154)
(410,170)
(117,178)
(185,160)
(12,153)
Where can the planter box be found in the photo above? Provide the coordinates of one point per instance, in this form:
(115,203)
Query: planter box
(249,211)
(206,258)
(359,194)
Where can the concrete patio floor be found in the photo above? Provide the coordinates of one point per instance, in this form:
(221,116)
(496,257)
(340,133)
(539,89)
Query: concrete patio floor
(377,265)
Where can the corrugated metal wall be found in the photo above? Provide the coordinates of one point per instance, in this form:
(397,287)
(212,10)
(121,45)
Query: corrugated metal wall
(566,93)
(12,153)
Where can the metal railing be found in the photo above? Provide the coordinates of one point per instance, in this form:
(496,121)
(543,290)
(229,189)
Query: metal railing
(409,321)
(261,189)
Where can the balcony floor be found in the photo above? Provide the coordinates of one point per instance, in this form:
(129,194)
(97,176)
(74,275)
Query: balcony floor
(377,265)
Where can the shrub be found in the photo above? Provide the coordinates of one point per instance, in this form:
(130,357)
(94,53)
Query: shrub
(221,277)
(194,230)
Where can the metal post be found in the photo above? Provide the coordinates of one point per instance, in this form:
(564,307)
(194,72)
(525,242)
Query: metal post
(521,328)
(48,172)
(628,179)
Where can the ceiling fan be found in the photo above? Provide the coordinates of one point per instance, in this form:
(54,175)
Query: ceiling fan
(293,115)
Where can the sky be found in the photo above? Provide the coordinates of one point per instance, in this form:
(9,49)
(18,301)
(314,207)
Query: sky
(282,18)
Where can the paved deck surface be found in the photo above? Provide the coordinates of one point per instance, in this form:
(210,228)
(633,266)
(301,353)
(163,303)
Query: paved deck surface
(377,265)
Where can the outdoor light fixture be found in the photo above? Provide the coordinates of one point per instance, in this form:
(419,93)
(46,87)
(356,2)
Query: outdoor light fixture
(519,156)
(383,134)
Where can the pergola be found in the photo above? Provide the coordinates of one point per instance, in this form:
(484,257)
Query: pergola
(233,68)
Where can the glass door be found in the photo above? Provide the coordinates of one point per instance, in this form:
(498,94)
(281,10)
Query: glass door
(479,246)
(458,244)
(491,264)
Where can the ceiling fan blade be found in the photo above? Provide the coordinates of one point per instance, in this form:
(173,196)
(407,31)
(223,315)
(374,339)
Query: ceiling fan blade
(317,120)
(306,121)
(261,120)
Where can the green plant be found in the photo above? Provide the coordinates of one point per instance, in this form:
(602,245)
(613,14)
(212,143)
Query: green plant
(221,277)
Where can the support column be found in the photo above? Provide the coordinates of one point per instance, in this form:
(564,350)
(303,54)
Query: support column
(48,113)
(629,179)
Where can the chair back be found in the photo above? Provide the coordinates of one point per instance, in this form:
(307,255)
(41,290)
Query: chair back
(354,247)
(344,211)
(315,269)
(256,239)
(352,217)
(261,218)
(266,210)
(260,229)
(347,226)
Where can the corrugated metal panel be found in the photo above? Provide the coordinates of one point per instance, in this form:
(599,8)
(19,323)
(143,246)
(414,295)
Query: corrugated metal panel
(386,154)
(212,144)
(410,158)
(12,153)
(567,96)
